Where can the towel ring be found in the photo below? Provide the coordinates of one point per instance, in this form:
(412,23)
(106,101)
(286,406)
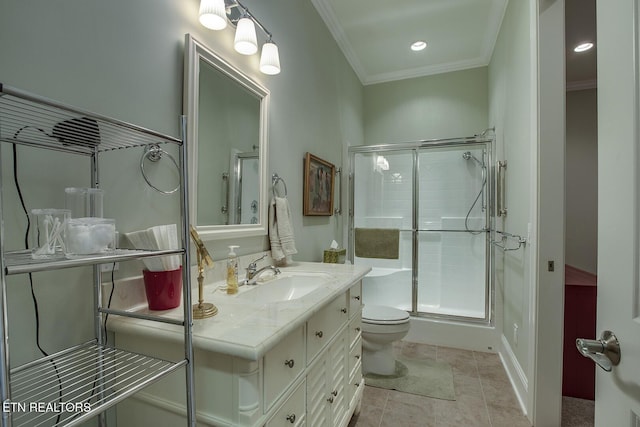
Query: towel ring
(274,180)
(154,153)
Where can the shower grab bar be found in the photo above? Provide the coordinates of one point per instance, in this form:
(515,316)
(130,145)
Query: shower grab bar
(501,190)
(338,210)
(503,242)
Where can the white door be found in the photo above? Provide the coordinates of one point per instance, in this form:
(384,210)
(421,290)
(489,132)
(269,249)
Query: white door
(618,391)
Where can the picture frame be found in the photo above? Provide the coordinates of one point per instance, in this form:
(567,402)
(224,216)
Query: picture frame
(319,179)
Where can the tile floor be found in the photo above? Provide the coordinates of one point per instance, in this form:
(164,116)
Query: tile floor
(484,396)
(577,412)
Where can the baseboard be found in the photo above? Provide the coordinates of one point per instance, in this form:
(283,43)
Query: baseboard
(516,374)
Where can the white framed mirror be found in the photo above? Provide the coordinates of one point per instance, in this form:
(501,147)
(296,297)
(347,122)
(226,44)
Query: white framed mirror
(227,114)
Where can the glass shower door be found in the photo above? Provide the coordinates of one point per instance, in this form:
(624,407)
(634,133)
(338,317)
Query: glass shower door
(452,260)
(383,208)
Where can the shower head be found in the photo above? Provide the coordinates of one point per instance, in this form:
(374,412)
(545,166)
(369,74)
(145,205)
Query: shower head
(468,156)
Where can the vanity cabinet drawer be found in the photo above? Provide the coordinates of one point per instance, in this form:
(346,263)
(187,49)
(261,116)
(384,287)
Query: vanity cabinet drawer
(355,298)
(324,324)
(282,365)
(355,329)
(292,412)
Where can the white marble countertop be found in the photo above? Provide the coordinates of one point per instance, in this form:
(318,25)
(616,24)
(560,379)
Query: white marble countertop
(244,327)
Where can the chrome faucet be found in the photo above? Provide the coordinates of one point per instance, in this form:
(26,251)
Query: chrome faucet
(253,272)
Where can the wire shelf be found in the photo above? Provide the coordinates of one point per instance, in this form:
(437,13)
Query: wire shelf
(28,119)
(79,383)
(20,262)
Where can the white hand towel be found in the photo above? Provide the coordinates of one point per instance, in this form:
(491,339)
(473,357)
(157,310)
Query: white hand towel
(281,229)
(276,248)
(285,227)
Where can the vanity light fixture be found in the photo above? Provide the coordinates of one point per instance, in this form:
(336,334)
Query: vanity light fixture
(583,47)
(269,58)
(246,42)
(212,12)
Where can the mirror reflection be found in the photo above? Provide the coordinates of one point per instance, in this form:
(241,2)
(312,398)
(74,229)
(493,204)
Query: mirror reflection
(226,132)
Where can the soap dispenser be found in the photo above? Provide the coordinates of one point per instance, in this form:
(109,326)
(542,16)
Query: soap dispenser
(232,271)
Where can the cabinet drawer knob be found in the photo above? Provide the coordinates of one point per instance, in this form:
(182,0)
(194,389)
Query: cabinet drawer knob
(290,363)
(319,334)
(358,329)
(344,310)
(357,298)
(330,399)
(334,392)
(357,356)
(291,418)
(356,384)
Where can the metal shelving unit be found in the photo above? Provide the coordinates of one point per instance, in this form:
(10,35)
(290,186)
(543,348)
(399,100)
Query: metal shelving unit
(76,378)
(91,376)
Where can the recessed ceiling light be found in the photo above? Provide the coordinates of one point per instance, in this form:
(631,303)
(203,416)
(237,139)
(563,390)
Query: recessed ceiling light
(583,47)
(418,45)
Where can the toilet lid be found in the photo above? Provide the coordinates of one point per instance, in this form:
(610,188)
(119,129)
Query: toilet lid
(383,314)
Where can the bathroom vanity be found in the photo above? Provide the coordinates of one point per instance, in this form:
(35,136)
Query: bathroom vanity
(284,352)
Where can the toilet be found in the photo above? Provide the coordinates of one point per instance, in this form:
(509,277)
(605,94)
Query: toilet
(381,326)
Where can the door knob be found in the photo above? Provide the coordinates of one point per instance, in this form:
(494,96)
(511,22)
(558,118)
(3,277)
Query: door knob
(605,351)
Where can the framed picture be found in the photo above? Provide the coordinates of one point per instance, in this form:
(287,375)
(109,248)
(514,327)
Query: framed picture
(318,186)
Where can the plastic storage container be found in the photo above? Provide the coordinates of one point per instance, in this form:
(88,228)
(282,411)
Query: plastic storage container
(86,236)
(47,233)
(84,202)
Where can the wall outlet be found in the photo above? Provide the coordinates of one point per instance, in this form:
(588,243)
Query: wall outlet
(515,334)
(106,268)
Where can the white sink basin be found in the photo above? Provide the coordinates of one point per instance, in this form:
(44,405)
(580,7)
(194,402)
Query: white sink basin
(285,287)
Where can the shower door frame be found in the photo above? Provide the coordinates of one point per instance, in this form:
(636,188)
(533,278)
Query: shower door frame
(415,147)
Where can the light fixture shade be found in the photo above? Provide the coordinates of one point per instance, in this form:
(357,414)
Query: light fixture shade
(213,14)
(269,59)
(246,42)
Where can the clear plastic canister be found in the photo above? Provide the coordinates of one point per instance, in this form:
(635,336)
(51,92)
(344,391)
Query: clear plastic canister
(84,202)
(47,232)
(86,236)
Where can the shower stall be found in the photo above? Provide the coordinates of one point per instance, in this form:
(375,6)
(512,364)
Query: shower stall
(420,216)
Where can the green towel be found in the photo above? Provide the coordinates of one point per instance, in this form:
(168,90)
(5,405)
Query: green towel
(377,243)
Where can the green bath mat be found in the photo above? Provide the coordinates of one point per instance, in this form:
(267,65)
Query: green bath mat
(425,377)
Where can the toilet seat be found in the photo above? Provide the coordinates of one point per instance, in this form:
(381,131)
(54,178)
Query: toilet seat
(383,315)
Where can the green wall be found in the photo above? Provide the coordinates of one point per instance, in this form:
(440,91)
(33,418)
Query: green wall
(510,110)
(581,239)
(124,59)
(445,105)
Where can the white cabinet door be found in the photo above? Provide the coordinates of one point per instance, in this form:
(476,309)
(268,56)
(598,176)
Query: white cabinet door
(327,382)
(617,392)
(317,414)
(337,356)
